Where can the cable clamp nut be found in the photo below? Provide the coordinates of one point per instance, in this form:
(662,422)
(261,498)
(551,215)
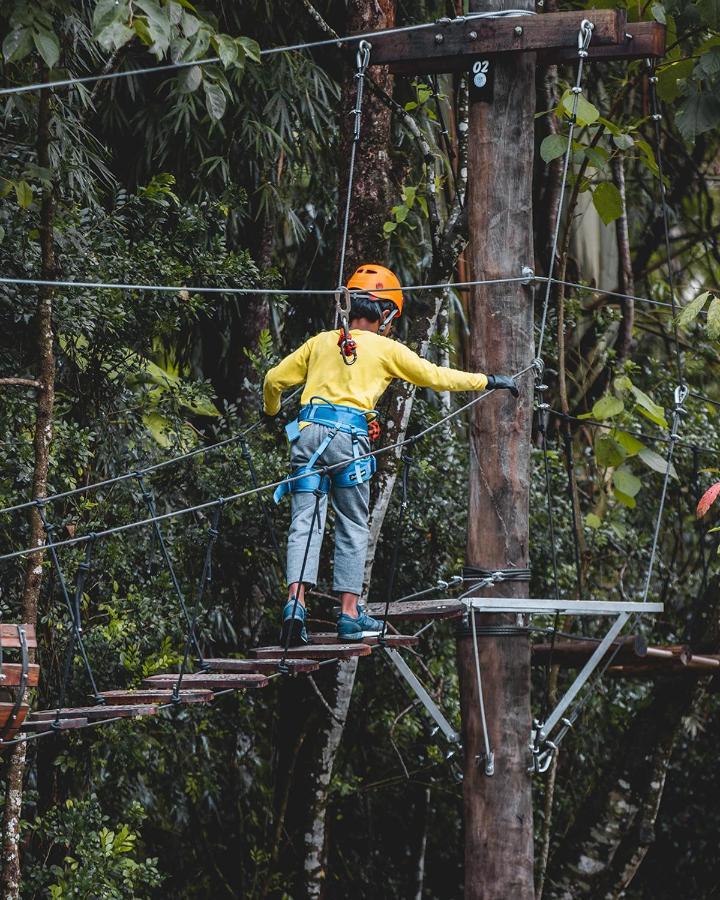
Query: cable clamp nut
(528,274)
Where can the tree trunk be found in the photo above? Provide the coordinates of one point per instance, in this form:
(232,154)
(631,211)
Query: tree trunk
(626,282)
(498,809)
(305,820)
(10,878)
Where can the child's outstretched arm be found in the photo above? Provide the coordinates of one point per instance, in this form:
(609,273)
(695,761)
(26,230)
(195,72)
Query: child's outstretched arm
(288,373)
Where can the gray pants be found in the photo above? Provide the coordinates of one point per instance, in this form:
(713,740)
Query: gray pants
(351,506)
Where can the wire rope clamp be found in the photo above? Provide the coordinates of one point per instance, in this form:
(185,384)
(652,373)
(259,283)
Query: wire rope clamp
(528,275)
(487,761)
(681,394)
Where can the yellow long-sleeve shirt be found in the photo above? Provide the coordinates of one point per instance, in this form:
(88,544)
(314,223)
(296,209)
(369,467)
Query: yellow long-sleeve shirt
(379,360)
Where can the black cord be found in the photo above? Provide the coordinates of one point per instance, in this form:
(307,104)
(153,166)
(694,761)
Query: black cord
(405,485)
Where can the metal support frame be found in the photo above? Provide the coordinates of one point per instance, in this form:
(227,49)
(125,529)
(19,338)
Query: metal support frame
(541,746)
(421,693)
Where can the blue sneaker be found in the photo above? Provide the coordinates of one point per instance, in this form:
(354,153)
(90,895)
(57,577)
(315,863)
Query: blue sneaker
(294,626)
(355,629)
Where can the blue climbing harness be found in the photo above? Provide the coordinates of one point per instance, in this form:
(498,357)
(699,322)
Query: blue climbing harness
(309,478)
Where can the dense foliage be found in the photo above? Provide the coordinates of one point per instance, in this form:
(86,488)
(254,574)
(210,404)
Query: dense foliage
(227,175)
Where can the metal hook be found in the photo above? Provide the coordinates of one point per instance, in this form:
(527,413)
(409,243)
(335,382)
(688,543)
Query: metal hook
(362,57)
(585,36)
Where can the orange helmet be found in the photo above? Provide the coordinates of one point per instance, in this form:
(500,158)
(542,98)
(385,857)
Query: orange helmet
(379,282)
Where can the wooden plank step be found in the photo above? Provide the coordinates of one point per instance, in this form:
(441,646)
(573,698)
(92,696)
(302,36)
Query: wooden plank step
(95,713)
(213,681)
(392,640)
(156,695)
(5,713)
(314,651)
(9,636)
(417,610)
(11,673)
(260,665)
(33,726)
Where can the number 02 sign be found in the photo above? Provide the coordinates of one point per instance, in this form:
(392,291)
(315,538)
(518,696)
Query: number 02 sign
(481,80)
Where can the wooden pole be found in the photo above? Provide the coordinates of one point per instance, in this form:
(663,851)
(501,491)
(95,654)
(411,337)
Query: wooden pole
(498,809)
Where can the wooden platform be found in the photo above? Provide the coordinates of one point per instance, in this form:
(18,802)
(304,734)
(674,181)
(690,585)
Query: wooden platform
(314,651)
(95,713)
(6,710)
(418,610)
(33,726)
(263,666)
(11,673)
(534,606)
(158,695)
(10,639)
(235,681)
(392,640)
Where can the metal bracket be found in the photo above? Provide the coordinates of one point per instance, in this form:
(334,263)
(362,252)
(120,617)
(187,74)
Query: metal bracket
(419,690)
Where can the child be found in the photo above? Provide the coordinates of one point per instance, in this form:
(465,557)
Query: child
(338,403)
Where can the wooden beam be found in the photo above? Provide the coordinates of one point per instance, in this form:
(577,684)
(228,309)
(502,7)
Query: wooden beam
(455,45)
(215,681)
(392,640)
(94,713)
(155,695)
(640,40)
(38,725)
(11,673)
(10,639)
(314,651)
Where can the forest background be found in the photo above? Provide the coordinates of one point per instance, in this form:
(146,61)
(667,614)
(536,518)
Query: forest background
(233,174)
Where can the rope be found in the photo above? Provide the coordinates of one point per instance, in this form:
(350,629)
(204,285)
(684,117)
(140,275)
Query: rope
(205,580)
(267,51)
(150,503)
(153,468)
(362,62)
(272,292)
(51,546)
(489,755)
(405,484)
(80,578)
(584,37)
(118,529)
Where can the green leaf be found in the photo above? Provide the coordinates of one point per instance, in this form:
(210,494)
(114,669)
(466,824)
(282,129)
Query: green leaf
(658,13)
(699,112)
(597,156)
(690,312)
(631,444)
(215,100)
(593,521)
(158,23)
(227,49)
(189,80)
(116,35)
(408,195)
(713,319)
(608,452)
(625,482)
(656,462)
(649,155)
(24,194)
(649,408)
(108,11)
(553,146)
(710,12)
(389,227)
(623,141)
(400,212)
(607,407)
(608,202)
(17,44)
(625,499)
(709,63)
(249,47)
(48,46)
(586,113)
(140,27)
